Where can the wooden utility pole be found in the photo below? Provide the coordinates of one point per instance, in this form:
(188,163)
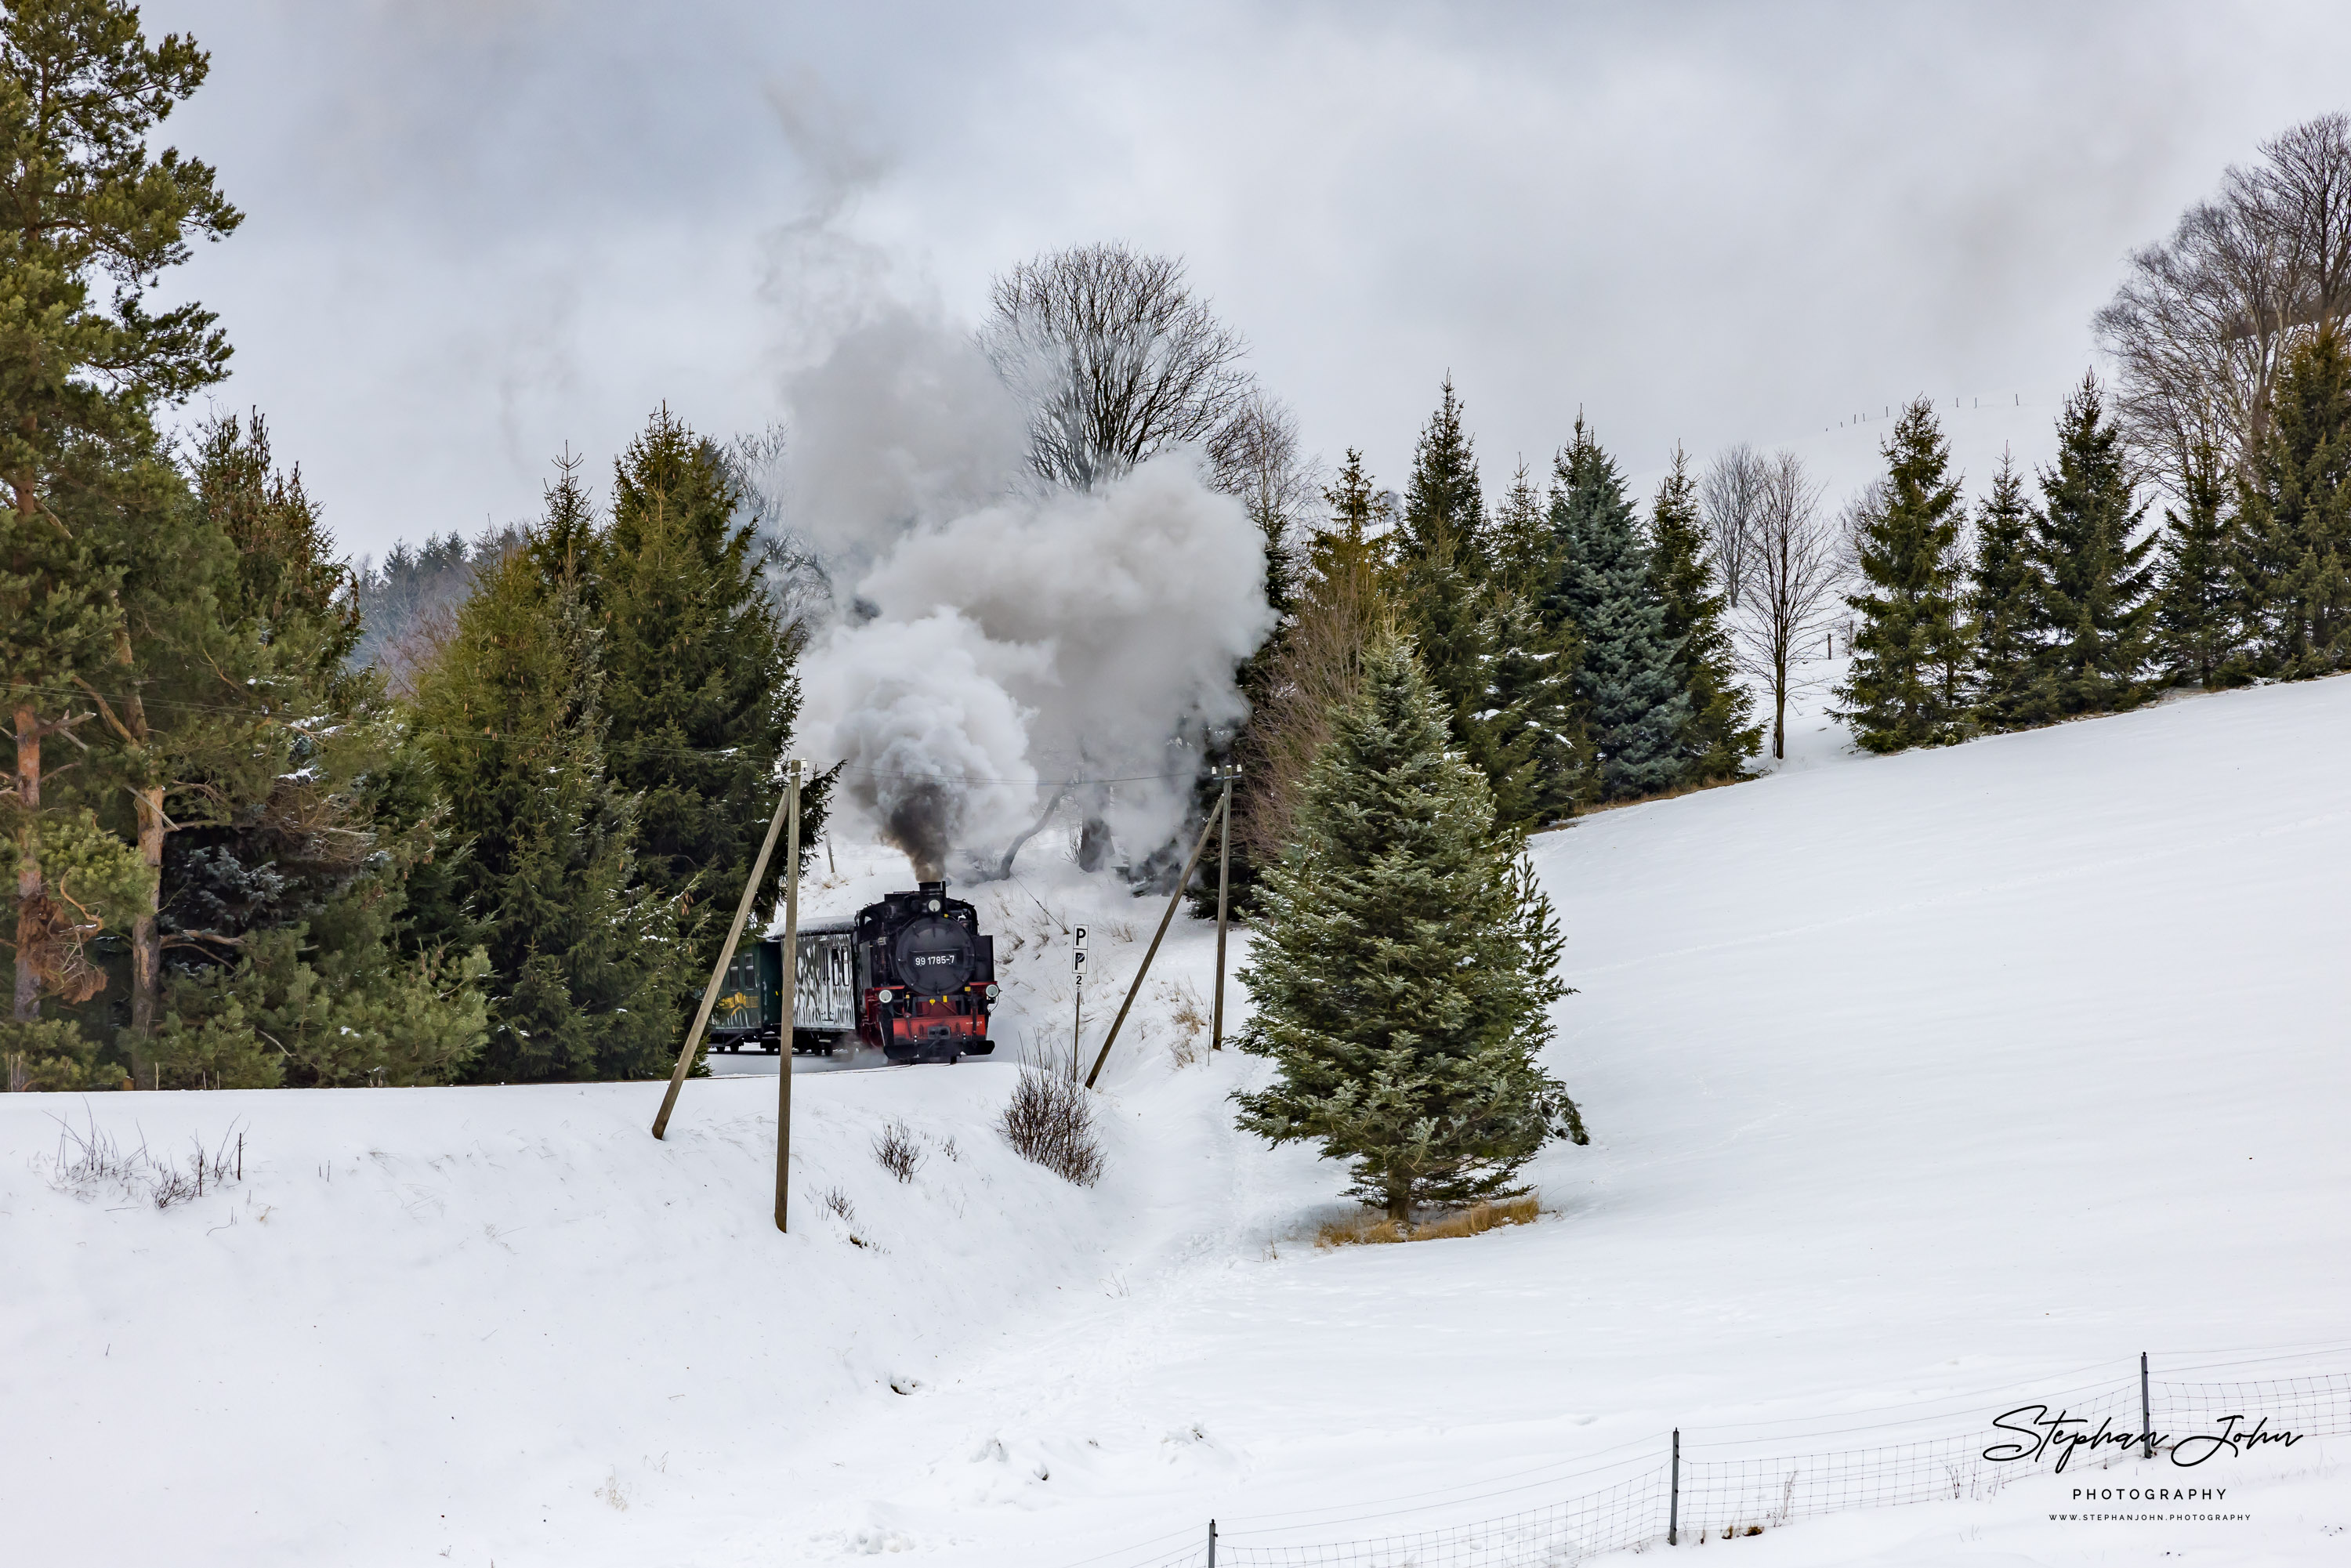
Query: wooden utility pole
(1224,872)
(791,993)
(1182,880)
(726,955)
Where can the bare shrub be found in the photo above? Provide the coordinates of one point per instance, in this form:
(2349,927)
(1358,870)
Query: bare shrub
(837,1203)
(898,1151)
(1051,1119)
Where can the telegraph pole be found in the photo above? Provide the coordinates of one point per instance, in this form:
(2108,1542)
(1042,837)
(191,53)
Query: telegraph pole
(789,803)
(1183,880)
(1224,872)
(791,982)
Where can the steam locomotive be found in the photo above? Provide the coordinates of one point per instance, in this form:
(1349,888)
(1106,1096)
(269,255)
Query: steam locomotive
(913,977)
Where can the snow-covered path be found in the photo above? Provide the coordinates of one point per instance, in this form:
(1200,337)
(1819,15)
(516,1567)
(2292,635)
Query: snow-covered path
(1916,1078)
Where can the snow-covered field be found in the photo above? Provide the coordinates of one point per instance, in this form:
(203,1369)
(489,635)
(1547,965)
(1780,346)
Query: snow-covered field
(1916,1083)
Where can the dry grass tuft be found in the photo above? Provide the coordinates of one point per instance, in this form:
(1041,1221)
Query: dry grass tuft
(1359,1231)
(1188,1011)
(1374,1228)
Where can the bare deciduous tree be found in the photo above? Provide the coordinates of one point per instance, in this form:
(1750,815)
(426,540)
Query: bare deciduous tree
(2202,322)
(1727,497)
(1116,359)
(1255,458)
(1793,572)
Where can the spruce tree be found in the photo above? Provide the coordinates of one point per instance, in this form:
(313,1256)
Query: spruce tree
(1408,965)
(1528,737)
(2196,599)
(700,689)
(1522,546)
(91,217)
(586,971)
(2002,589)
(1720,735)
(1634,709)
(2091,604)
(2295,505)
(1901,687)
(1440,557)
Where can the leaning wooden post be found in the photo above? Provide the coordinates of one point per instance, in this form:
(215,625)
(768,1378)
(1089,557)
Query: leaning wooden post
(1173,899)
(718,975)
(1224,872)
(791,991)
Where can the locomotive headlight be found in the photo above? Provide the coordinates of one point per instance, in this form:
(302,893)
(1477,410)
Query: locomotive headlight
(883,997)
(992,993)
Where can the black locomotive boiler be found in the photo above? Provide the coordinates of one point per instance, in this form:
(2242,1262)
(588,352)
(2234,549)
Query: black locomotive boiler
(913,977)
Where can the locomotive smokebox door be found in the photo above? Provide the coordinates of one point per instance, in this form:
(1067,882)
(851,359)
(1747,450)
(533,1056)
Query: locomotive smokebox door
(937,957)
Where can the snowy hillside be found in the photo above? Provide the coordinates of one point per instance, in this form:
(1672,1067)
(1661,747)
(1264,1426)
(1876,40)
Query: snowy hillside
(1913,1083)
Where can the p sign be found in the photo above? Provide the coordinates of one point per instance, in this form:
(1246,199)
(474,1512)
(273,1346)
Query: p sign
(1078,955)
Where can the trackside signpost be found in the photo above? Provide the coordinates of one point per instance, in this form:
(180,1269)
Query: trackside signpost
(1076,993)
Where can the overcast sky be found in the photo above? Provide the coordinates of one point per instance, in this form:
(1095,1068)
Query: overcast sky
(477,231)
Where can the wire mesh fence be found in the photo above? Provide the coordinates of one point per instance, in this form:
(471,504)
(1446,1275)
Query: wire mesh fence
(1684,1490)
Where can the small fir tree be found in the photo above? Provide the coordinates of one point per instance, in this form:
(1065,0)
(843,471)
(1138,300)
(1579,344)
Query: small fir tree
(2002,589)
(1901,687)
(1635,708)
(1721,734)
(2295,505)
(2093,579)
(1405,976)
(2196,604)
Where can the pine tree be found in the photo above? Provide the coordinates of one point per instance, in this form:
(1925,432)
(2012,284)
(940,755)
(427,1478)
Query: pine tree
(1408,965)
(82,200)
(1720,735)
(2002,589)
(1440,557)
(1901,688)
(2196,603)
(585,970)
(2295,505)
(700,690)
(1635,708)
(283,900)
(2090,606)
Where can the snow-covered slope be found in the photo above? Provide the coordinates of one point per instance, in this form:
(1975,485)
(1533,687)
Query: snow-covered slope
(1921,1079)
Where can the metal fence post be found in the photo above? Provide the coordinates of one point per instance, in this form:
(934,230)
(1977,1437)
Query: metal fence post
(1674,1494)
(2146,1426)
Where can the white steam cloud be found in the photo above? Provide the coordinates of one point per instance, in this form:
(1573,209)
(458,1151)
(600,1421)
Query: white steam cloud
(995,637)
